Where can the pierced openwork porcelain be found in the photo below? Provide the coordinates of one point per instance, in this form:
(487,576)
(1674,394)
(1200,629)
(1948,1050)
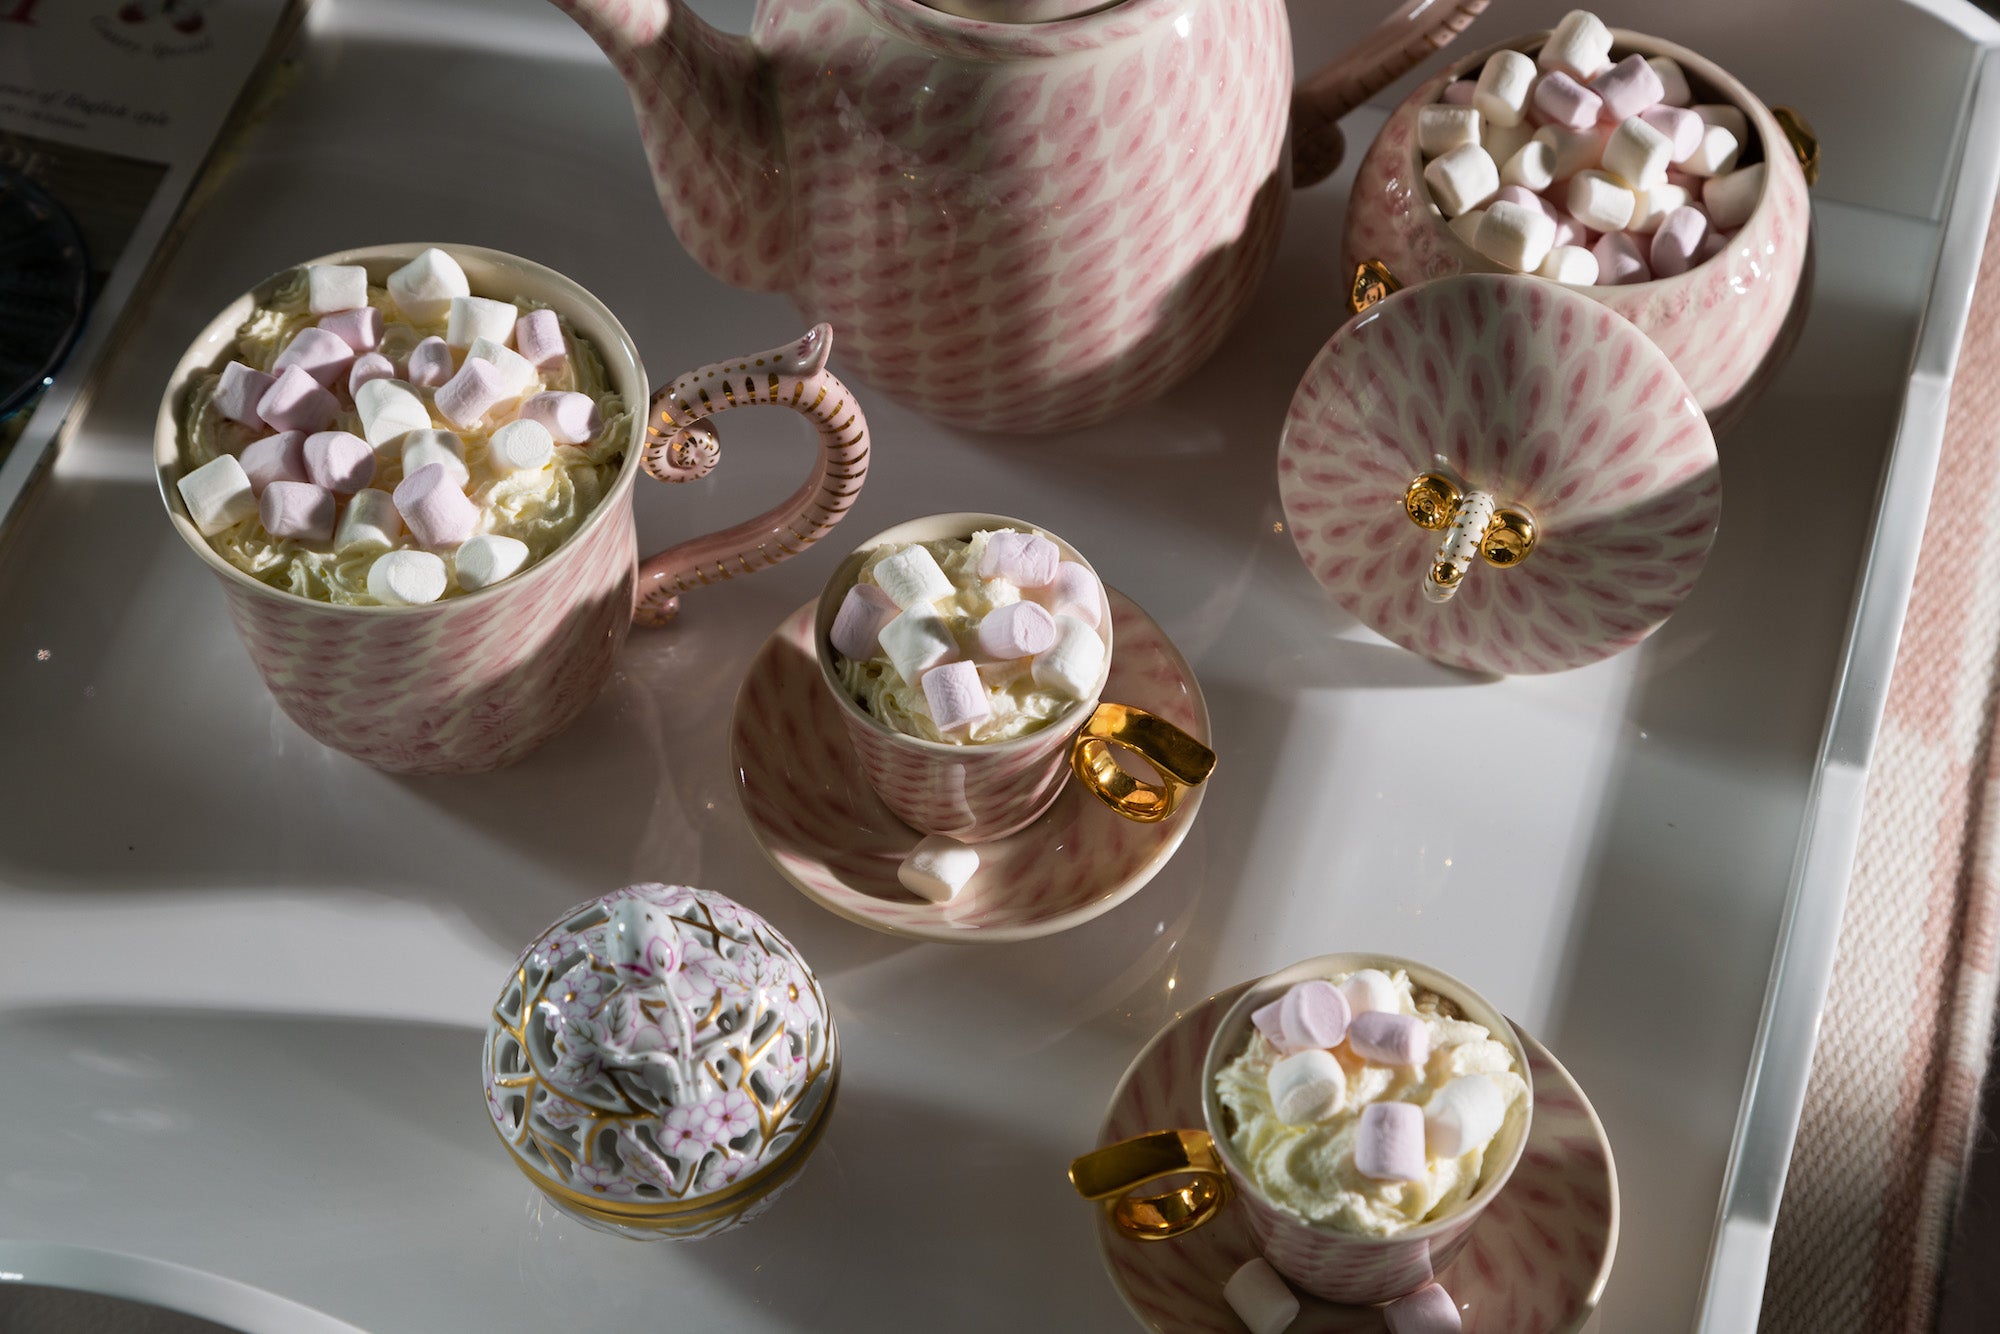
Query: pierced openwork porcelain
(661,1063)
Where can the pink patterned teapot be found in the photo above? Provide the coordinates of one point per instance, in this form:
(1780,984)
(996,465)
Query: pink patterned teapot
(1025,226)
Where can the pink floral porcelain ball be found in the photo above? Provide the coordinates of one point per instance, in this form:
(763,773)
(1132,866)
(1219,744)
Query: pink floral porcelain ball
(661,1063)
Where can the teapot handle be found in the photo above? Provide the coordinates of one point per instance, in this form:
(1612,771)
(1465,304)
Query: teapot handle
(682,447)
(1397,45)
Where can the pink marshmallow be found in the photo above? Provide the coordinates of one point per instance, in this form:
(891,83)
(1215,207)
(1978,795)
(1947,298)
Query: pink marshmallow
(1313,1014)
(470,394)
(295,402)
(957,699)
(1428,1310)
(538,337)
(1075,592)
(369,366)
(1267,1021)
(430,363)
(1712,244)
(238,391)
(275,458)
(339,461)
(1017,630)
(1682,128)
(1563,101)
(857,626)
(1677,241)
(324,356)
(433,508)
(360,329)
(1627,88)
(571,418)
(1620,261)
(1522,195)
(1388,1038)
(1389,1141)
(1458,93)
(297,509)
(1026,560)
(1571,232)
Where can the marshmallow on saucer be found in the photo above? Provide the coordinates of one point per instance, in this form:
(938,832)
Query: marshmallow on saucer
(435,510)
(1306,1086)
(1260,1298)
(912,576)
(1025,560)
(1370,989)
(956,696)
(371,520)
(520,446)
(430,363)
(275,458)
(466,398)
(389,409)
(424,287)
(1389,1039)
(319,353)
(487,558)
(1389,1141)
(335,287)
(1017,630)
(857,626)
(425,447)
(917,640)
(937,868)
(296,402)
(1073,663)
(406,578)
(571,417)
(338,461)
(218,495)
(297,509)
(538,337)
(237,391)
(471,318)
(1428,1310)
(1463,1115)
(360,329)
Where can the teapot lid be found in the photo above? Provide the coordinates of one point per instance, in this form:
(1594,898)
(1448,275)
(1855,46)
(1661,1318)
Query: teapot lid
(655,1055)
(1500,474)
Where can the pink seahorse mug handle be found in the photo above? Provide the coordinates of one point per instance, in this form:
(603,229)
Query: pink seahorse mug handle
(681,446)
(1395,46)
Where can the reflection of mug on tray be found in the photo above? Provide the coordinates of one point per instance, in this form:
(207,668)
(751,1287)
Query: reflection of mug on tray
(404,409)
(1364,1109)
(968,653)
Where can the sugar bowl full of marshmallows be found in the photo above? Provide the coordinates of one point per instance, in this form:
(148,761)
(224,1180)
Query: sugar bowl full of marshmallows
(1621,165)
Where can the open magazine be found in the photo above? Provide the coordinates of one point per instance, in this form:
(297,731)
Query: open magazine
(113,108)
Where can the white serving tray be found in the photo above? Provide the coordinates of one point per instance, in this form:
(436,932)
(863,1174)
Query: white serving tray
(242,979)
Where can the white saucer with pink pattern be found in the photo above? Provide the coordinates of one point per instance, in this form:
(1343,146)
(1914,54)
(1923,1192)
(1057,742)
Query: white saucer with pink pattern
(1537,399)
(1536,1263)
(823,827)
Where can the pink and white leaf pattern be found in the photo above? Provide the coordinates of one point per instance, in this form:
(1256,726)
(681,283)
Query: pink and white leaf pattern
(1534,1262)
(814,813)
(1540,396)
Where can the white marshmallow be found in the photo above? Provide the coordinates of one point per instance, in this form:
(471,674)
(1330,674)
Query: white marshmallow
(1730,118)
(1428,1310)
(1370,989)
(937,868)
(1463,1115)
(406,578)
(1074,664)
(1466,225)
(335,287)
(1731,199)
(1462,179)
(1637,153)
(486,558)
(471,318)
(1307,1086)
(1600,202)
(1503,141)
(1650,207)
(956,696)
(218,494)
(1716,155)
(429,446)
(520,446)
(572,418)
(1504,84)
(516,371)
(1580,46)
(1570,264)
(1576,150)
(1532,168)
(1442,128)
(1515,235)
(1389,1142)
(857,627)
(388,409)
(918,640)
(1260,1298)
(1673,81)
(912,576)
(423,288)
(370,521)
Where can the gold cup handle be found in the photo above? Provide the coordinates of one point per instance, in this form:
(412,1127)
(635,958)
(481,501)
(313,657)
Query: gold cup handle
(1115,1172)
(1181,761)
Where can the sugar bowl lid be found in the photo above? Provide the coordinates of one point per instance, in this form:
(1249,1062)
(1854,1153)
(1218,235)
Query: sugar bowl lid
(661,1062)
(1499,474)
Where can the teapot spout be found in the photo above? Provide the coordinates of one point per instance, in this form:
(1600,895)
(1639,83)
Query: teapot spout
(705,112)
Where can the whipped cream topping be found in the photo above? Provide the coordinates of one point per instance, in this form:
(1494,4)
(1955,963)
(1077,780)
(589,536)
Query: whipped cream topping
(539,507)
(1309,1169)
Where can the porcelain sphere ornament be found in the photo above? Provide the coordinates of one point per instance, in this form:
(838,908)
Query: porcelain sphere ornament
(661,1063)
